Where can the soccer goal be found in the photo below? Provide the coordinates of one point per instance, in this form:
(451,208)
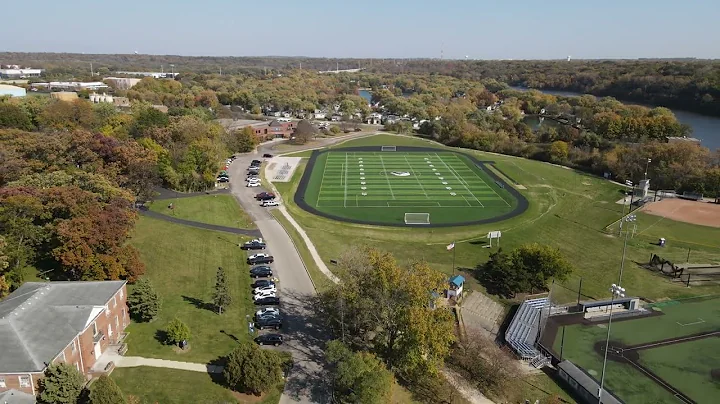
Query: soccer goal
(417,218)
(388,148)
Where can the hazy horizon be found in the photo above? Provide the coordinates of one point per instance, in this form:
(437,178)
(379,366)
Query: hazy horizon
(400,29)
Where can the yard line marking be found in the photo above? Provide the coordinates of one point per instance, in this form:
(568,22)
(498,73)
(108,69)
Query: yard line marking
(345,196)
(489,186)
(386,177)
(415,175)
(322,179)
(458,178)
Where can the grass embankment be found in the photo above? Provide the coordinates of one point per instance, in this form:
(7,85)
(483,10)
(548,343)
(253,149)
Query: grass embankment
(182,264)
(172,386)
(217,209)
(568,210)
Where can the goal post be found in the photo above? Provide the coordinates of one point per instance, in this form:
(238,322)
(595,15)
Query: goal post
(388,148)
(417,218)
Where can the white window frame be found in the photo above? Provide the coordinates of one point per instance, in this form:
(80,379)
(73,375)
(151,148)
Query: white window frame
(63,355)
(114,302)
(3,384)
(110,332)
(25,384)
(95,329)
(117,322)
(77,366)
(121,293)
(107,310)
(74,346)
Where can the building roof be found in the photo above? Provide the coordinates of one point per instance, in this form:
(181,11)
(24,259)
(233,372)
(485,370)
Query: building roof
(587,382)
(457,280)
(39,319)
(13,396)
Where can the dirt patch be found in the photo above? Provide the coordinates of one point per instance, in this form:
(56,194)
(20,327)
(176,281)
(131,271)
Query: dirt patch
(702,213)
(617,351)
(248,398)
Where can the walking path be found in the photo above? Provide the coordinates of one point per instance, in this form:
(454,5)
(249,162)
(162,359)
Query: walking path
(135,361)
(205,226)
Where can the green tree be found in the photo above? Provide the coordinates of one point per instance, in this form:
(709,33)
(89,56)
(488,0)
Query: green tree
(221,294)
(526,269)
(250,369)
(62,384)
(241,141)
(357,377)
(143,301)
(176,332)
(14,117)
(4,263)
(559,151)
(105,391)
(388,309)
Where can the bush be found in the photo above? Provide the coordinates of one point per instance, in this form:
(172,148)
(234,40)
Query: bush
(143,301)
(176,332)
(250,369)
(105,391)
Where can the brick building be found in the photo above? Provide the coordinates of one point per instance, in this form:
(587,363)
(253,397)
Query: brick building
(274,129)
(49,322)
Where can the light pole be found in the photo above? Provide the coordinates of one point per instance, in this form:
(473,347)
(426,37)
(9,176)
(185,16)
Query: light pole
(628,183)
(172,70)
(618,291)
(646,167)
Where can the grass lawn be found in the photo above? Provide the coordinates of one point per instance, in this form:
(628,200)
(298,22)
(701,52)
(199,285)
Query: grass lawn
(172,386)
(542,387)
(182,263)
(381,187)
(217,209)
(568,210)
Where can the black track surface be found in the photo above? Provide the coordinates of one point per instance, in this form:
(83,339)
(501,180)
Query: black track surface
(522,202)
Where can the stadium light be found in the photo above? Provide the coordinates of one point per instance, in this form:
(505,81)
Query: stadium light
(646,167)
(628,183)
(616,291)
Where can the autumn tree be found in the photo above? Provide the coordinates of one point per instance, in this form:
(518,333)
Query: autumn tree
(392,303)
(559,151)
(143,301)
(357,377)
(13,116)
(241,141)
(68,115)
(527,268)
(105,391)
(62,383)
(304,132)
(4,286)
(252,370)
(221,294)
(176,332)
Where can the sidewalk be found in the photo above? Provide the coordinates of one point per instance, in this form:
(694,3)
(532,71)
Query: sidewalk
(134,361)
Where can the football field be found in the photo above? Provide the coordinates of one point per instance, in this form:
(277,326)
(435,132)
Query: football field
(383,186)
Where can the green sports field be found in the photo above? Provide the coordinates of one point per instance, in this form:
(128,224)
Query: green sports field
(666,346)
(381,187)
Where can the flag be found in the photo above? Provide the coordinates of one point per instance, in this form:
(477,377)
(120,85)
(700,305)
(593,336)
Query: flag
(450,246)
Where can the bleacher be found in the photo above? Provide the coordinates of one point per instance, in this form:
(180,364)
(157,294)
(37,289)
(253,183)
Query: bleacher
(524,328)
(282,173)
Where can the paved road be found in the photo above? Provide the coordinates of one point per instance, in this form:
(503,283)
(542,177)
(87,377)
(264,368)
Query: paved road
(206,226)
(306,382)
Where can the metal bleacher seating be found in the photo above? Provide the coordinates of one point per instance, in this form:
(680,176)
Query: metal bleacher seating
(282,173)
(524,327)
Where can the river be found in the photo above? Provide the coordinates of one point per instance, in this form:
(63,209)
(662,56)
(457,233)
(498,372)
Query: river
(705,128)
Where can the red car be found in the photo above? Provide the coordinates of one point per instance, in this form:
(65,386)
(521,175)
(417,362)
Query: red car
(265,196)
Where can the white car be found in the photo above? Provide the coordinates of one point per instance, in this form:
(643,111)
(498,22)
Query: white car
(253,179)
(270,203)
(258,255)
(253,184)
(268,311)
(269,288)
(264,294)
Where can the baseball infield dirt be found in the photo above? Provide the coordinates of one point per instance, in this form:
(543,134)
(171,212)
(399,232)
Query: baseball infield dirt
(702,213)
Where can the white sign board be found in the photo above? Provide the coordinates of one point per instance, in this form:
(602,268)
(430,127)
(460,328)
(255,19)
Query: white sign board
(494,234)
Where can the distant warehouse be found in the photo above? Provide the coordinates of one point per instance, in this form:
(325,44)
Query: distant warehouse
(12,91)
(16,72)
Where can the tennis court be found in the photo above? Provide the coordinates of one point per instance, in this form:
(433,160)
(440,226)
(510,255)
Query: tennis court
(384,186)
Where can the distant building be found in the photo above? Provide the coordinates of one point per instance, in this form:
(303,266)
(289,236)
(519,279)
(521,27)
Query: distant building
(99,98)
(374,118)
(123,83)
(678,139)
(71,85)
(12,91)
(50,322)
(16,72)
(64,95)
(157,75)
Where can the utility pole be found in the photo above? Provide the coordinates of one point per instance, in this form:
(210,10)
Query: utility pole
(91,70)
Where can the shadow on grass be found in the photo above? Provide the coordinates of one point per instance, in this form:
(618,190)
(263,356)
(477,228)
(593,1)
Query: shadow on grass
(161,336)
(199,304)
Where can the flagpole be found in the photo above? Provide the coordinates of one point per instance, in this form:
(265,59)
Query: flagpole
(453,264)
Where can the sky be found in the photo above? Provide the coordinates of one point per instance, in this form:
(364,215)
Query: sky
(478,29)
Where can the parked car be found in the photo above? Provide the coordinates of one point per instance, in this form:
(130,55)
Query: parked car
(265,259)
(269,322)
(271,202)
(256,244)
(269,339)
(223,179)
(261,271)
(261,282)
(258,162)
(268,311)
(268,301)
(262,289)
(259,255)
(267,155)
(253,184)
(251,173)
(252,179)
(264,196)
(264,294)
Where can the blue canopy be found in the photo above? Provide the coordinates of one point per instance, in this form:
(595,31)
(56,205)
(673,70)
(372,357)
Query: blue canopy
(457,280)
